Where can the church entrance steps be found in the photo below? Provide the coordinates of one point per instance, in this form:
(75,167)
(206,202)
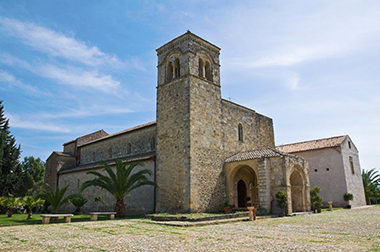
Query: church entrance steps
(219,219)
(199,223)
(195,218)
(300,213)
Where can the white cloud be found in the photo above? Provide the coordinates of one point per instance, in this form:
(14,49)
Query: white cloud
(12,81)
(90,110)
(291,32)
(58,44)
(68,75)
(79,77)
(32,124)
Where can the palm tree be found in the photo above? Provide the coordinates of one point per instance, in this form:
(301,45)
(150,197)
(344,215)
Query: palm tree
(371,183)
(121,183)
(10,203)
(78,202)
(55,198)
(30,203)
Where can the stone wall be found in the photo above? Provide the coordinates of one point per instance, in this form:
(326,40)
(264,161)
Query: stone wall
(354,180)
(55,162)
(137,202)
(173,146)
(91,137)
(116,147)
(257,129)
(206,149)
(70,148)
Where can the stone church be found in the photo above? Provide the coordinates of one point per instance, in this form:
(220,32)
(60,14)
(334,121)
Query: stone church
(200,149)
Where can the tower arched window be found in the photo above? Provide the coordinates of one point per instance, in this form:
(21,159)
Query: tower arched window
(201,68)
(240,132)
(177,73)
(208,74)
(129,148)
(169,76)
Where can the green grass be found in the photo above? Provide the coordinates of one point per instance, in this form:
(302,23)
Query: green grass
(21,219)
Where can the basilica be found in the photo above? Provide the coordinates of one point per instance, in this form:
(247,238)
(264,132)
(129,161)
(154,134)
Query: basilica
(202,150)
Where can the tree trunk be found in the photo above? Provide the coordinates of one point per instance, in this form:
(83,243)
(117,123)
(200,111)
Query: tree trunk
(30,214)
(10,212)
(120,208)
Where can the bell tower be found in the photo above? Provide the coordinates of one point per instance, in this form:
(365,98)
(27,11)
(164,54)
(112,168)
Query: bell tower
(189,133)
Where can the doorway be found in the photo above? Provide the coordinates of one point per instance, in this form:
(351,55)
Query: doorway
(242,193)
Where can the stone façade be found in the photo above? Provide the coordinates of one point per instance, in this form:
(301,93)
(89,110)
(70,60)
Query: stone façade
(195,132)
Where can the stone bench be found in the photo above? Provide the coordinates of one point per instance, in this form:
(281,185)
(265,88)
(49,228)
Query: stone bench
(94,215)
(46,217)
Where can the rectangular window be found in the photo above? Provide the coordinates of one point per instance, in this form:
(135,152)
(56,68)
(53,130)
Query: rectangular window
(349,144)
(352,166)
(240,132)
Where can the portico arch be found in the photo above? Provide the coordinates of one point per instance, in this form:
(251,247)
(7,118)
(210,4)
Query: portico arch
(298,186)
(245,184)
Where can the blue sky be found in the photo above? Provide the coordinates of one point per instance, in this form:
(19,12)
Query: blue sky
(68,68)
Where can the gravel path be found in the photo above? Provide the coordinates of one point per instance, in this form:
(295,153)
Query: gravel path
(342,230)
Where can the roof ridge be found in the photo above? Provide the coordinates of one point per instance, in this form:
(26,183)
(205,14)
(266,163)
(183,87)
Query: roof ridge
(307,141)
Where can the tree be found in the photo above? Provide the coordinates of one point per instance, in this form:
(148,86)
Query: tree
(9,155)
(371,183)
(78,202)
(10,203)
(282,201)
(29,202)
(32,175)
(119,184)
(55,198)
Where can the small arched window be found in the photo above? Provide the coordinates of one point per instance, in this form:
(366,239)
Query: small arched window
(129,148)
(201,68)
(208,74)
(153,143)
(176,69)
(240,132)
(169,76)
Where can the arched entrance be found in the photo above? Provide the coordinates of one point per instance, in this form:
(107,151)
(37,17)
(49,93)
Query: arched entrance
(297,192)
(242,193)
(245,184)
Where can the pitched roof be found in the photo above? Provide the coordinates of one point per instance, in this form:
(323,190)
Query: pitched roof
(312,144)
(255,154)
(120,133)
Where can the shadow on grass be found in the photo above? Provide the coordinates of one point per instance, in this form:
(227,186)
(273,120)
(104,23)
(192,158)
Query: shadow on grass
(21,219)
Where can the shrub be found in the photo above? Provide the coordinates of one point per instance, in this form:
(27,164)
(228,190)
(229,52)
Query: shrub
(78,201)
(282,200)
(348,197)
(315,198)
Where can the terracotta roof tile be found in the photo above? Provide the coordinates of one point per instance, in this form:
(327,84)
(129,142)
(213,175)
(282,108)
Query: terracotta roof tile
(312,145)
(254,154)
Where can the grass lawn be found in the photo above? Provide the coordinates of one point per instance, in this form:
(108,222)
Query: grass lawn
(21,219)
(340,230)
